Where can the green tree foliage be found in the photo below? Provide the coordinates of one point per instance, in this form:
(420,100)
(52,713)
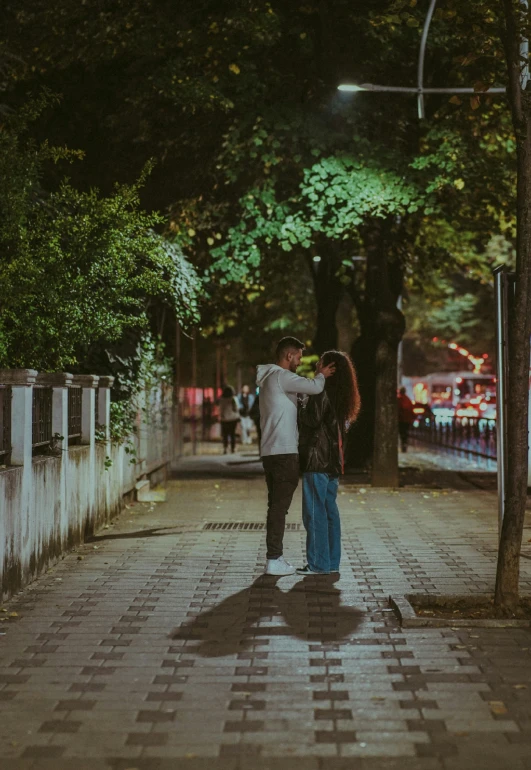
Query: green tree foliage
(142,78)
(76,269)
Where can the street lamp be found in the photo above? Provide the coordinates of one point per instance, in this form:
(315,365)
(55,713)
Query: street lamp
(419,88)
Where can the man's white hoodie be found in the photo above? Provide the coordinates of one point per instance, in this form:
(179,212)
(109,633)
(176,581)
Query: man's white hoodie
(278,407)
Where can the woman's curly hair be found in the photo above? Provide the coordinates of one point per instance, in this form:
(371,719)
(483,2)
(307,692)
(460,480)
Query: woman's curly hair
(342,387)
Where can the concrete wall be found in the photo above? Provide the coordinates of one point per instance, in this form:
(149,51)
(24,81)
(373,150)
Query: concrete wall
(49,504)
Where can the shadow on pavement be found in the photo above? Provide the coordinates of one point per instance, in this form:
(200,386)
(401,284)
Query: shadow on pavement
(311,611)
(139,534)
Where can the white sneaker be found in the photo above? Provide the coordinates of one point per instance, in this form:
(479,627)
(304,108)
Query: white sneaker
(279,567)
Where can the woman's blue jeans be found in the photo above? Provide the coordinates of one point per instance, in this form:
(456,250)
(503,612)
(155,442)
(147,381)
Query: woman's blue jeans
(320,516)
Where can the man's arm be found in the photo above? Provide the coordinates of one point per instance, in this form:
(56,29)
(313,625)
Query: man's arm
(292,383)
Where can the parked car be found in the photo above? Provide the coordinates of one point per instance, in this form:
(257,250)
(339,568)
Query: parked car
(478,407)
(487,407)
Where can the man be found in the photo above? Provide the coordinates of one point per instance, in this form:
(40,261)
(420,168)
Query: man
(279,385)
(245,403)
(406,417)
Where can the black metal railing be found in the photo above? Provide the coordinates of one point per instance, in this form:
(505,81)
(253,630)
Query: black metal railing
(75,402)
(41,417)
(5,424)
(473,435)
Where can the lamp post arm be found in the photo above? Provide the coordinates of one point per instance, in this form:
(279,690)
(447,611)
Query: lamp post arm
(422,52)
(414,90)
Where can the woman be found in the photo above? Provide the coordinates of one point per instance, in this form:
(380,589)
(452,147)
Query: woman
(324,422)
(229,416)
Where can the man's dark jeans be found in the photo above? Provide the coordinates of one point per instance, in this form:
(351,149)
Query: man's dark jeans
(282,478)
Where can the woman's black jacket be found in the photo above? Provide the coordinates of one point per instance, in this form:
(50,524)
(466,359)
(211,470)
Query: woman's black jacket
(320,450)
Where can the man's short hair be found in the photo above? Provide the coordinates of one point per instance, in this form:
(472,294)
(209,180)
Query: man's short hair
(286,344)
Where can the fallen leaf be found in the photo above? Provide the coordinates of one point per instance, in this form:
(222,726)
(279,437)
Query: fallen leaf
(520,686)
(13,614)
(497,707)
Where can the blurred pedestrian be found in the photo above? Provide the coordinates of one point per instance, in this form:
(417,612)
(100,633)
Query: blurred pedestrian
(207,417)
(279,385)
(406,418)
(324,422)
(229,416)
(245,404)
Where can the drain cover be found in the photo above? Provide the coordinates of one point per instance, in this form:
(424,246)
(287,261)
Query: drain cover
(245,526)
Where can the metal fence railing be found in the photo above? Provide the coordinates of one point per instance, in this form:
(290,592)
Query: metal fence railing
(5,424)
(473,435)
(41,417)
(75,401)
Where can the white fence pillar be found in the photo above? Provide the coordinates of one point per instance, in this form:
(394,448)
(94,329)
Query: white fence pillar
(142,435)
(104,405)
(59,382)
(88,383)
(21,382)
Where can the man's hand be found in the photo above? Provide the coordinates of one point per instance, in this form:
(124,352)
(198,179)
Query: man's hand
(327,371)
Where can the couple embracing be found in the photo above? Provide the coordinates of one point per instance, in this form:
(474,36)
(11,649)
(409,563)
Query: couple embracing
(321,410)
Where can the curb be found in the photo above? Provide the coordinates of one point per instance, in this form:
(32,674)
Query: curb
(404,610)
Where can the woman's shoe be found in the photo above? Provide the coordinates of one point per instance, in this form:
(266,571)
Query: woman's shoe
(307,571)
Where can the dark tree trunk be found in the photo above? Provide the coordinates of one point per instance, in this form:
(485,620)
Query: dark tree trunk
(385,288)
(507,577)
(361,436)
(375,355)
(328,293)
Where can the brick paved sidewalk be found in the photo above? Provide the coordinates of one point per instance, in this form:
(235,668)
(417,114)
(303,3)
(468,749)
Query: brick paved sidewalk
(164,646)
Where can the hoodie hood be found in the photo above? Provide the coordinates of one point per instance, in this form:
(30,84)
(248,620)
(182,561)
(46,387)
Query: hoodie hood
(264,370)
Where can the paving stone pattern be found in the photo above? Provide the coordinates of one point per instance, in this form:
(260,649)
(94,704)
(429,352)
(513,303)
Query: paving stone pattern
(161,645)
